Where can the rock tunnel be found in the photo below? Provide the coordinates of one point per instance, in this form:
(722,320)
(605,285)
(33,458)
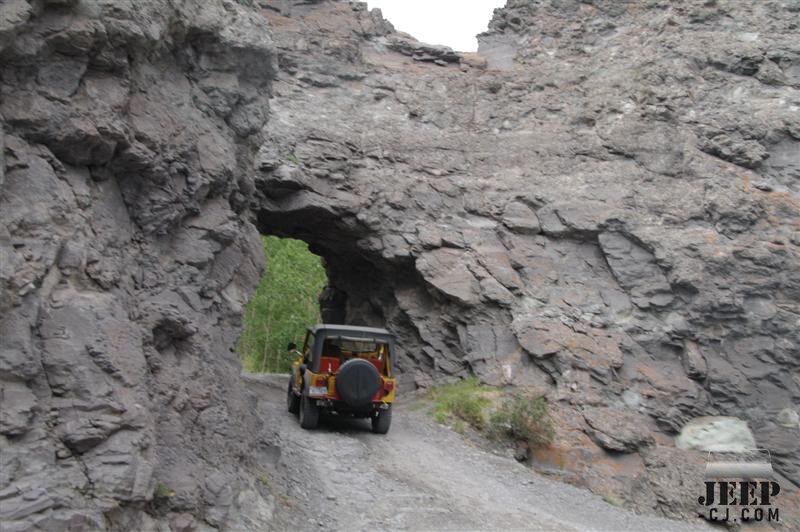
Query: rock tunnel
(579,235)
(364,281)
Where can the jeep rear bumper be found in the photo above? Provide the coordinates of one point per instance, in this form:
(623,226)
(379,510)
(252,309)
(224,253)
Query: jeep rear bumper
(340,407)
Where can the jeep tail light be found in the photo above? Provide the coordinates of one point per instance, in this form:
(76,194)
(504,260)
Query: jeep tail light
(388,386)
(318,387)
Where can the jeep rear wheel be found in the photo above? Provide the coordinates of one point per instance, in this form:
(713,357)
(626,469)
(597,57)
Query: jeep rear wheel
(381,422)
(309,413)
(292,401)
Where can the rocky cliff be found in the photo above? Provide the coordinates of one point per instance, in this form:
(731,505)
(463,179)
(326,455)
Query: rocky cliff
(129,130)
(604,205)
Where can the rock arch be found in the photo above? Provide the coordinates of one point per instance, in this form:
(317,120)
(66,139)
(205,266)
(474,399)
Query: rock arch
(587,231)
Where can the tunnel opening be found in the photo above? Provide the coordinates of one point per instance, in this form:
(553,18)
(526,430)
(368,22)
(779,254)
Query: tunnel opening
(284,303)
(446,302)
(363,275)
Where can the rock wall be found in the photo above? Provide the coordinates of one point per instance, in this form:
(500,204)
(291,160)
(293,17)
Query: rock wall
(604,207)
(129,130)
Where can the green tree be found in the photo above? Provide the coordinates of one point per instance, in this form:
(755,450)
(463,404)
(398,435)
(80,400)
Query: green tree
(283,305)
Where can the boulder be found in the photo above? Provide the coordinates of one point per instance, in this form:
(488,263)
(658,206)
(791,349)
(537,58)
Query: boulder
(717,434)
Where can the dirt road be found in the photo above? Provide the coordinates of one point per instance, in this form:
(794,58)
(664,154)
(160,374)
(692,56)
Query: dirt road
(420,476)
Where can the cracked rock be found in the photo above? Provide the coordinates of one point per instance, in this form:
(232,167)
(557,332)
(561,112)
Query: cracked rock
(617,430)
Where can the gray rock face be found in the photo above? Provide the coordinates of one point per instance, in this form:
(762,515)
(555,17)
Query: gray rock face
(604,213)
(609,210)
(618,431)
(126,257)
(441,55)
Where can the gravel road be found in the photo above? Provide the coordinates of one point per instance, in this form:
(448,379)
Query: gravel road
(421,476)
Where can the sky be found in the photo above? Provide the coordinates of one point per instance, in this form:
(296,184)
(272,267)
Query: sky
(450,22)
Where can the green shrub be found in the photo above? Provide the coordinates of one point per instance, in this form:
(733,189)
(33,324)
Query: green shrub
(613,501)
(523,418)
(465,400)
(162,491)
(518,416)
(283,305)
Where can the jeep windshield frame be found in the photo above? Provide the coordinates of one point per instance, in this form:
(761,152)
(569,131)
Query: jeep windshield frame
(353,334)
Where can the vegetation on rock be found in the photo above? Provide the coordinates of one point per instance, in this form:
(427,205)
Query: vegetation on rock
(465,400)
(524,418)
(518,416)
(162,491)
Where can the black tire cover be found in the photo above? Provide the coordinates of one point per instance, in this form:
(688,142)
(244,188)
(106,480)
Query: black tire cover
(357,381)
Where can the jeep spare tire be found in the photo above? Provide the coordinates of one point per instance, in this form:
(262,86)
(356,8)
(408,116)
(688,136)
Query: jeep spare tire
(357,381)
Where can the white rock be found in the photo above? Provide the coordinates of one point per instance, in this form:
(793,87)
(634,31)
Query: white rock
(788,418)
(717,434)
